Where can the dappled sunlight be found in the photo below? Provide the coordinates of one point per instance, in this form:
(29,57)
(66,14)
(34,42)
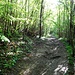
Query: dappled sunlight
(61,70)
(21,42)
(60,38)
(39,54)
(43,60)
(44,73)
(10,53)
(43,38)
(45,69)
(28,71)
(25,72)
(26,58)
(34,37)
(50,38)
(55,48)
(14,53)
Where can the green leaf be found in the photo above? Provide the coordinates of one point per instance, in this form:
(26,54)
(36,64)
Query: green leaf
(3,38)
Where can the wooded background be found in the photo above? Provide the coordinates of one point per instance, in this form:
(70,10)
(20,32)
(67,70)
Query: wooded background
(35,18)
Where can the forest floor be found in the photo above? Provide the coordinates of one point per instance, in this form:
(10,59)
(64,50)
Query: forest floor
(48,57)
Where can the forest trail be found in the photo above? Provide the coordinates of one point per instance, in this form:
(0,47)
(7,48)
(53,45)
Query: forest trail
(48,57)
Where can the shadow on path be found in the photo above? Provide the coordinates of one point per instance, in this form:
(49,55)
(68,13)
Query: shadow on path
(48,57)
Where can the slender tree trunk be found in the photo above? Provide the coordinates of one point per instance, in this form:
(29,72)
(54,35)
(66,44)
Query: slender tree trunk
(5,21)
(64,13)
(28,7)
(15,23)
(41,15)
(71,26)
(25,21)
(71,65)
(59,22)
(11,23)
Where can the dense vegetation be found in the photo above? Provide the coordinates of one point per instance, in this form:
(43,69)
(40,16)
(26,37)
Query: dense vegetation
(21,20)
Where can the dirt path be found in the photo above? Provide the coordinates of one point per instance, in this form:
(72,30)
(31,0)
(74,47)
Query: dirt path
(48,57)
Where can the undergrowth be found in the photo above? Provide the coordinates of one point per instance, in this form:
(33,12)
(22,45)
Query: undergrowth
(12,51)
(69,54)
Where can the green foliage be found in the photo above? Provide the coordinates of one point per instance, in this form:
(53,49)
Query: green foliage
(18,15)
(4,39)
(69,51)
(11,52)
(6,61)
(10,63)
(27,45)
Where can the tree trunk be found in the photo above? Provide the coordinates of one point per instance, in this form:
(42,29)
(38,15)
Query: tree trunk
(41,15)
(25,21)
(71,65)
(59,23)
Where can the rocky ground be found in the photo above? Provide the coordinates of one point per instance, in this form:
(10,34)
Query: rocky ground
(48,57)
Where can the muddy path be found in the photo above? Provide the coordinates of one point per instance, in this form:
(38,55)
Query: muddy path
(48,57)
